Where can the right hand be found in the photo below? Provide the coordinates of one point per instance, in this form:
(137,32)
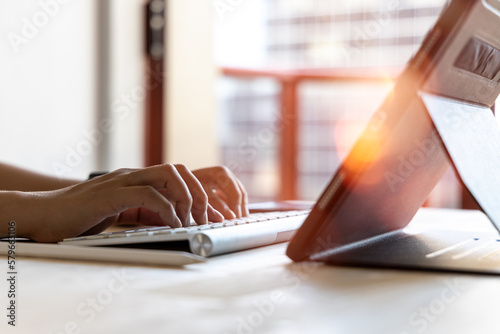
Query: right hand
(158,195)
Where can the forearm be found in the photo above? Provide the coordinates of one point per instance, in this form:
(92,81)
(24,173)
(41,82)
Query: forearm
(14,178)
(16,206)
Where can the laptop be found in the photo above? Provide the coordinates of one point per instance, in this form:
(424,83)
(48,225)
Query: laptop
(439,113)
(361,216)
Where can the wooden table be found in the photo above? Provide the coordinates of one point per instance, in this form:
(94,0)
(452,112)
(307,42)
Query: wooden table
(255,291)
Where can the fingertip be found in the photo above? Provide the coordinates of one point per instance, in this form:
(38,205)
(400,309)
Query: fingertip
(169,219)
(238,211)
(225,211)
(177,222)
(220,216)
(187,221)
(214,216)
(245,210)
(200,218)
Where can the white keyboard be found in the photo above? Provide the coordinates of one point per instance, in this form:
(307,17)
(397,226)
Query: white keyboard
(258,229)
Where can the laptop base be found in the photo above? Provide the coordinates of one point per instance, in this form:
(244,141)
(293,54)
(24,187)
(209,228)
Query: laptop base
(440,250)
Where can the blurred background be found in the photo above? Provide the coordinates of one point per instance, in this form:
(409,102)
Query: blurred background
(277,90)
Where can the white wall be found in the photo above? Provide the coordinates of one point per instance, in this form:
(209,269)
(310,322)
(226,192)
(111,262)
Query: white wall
(46,85)
(190,126)
(127,84)
(47,89)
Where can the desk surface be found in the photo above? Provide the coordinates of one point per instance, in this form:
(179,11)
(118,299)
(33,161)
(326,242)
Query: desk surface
(256,291)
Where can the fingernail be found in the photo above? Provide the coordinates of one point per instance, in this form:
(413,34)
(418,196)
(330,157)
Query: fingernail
(238,211)
(178,222)
(205,218)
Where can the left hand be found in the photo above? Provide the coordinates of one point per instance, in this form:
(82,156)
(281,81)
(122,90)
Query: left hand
(225,192)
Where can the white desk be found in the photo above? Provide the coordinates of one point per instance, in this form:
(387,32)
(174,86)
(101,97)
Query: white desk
(256,291)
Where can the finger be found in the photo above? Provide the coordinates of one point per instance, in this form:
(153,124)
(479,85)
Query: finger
(101,226)
(218,200)
(199,197)
(129,216)
(150,218)
(220,205)
(165,177)
(138,197)
(141,216)
(244,200)
(228,184)
(214,215)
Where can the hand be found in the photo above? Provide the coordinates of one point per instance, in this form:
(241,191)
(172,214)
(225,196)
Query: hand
(158,195)
(225,192)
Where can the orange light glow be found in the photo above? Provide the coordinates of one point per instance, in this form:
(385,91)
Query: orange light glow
(390,83)
(367,149)
(347,131)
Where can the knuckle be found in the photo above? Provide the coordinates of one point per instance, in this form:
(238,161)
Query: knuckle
(199,206)
(223,169)
(181,167)
(189,200)
(167,167)
(238,197)
(200,201)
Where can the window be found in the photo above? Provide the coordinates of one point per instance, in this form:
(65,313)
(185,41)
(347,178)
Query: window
(372,38)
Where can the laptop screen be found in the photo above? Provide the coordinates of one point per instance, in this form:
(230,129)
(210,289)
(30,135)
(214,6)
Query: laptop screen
(400,156)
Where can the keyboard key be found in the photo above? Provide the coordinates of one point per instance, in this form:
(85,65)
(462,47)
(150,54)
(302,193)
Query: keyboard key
(179,230)
(116,235)
(165,231)
(137,234)
(97,236)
